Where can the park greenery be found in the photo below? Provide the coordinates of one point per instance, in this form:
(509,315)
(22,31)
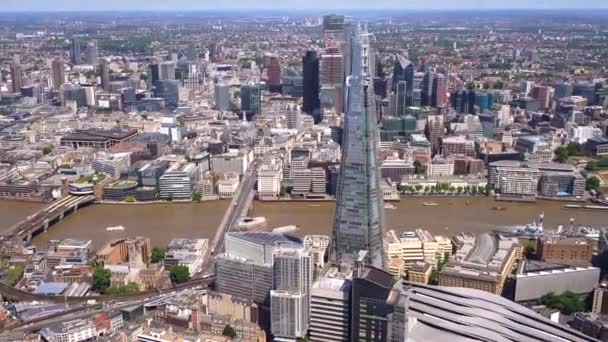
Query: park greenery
(123,290)
(593,165)
(158,254)
(130,199)
(567,302)
(179,274)
(573,149)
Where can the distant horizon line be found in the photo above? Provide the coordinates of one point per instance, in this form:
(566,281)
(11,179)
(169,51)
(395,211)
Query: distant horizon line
(316,10)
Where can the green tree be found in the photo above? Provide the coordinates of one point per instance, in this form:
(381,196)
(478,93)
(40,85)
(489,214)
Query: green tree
(499,84)
(419,168)
(591,165)
(567,302)
(179,274)
(158,254)
(592,183)
(561,154)
(14,275)
(574,149)
(434,278)
(130,199)
(47,150)
(229,331)
(197,196)
(101,279)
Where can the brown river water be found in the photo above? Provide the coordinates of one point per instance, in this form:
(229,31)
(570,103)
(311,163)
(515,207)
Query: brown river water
(161,222)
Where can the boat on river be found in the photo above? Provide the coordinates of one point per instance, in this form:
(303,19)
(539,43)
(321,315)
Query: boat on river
(430,204)
(116,229)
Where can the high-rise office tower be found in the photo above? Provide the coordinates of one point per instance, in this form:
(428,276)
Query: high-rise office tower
(167,71)
(471,102)
(310,83)
(427,88)
(336,34)
(359,218)
(417,91)
(368,307)
(439,88)
(293,117)
(333,22)
(153,74)
(222,96)
(331,79)
(404,71)
(168,90)
(104,68)
(274,74)
(16,79)
(400,98)
(330,309)
(75,51)
(58,70)
(92,53)
(251,98)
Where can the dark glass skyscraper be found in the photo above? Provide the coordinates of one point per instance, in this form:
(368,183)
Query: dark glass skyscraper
(310,83)
(75,51)
(404,71)
(359,219)
(104,70)
(251,98)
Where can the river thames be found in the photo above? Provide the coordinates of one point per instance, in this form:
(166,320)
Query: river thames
(162,222)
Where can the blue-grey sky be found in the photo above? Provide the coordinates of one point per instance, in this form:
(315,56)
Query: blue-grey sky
(178,5)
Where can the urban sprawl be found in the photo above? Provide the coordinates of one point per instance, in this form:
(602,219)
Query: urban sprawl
(364,110)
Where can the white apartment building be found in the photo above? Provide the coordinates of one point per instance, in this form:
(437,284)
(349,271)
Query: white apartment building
(288,314)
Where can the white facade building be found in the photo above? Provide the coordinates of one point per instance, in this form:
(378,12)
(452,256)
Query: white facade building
(288,315)
(270,176)
(179,181)
(228,184)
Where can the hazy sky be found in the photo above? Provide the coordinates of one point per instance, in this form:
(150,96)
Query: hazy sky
(96,5)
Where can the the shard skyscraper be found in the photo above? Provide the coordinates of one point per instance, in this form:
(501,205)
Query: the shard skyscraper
(359,218)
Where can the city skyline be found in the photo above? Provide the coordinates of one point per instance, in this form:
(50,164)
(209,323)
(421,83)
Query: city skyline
(155,5)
